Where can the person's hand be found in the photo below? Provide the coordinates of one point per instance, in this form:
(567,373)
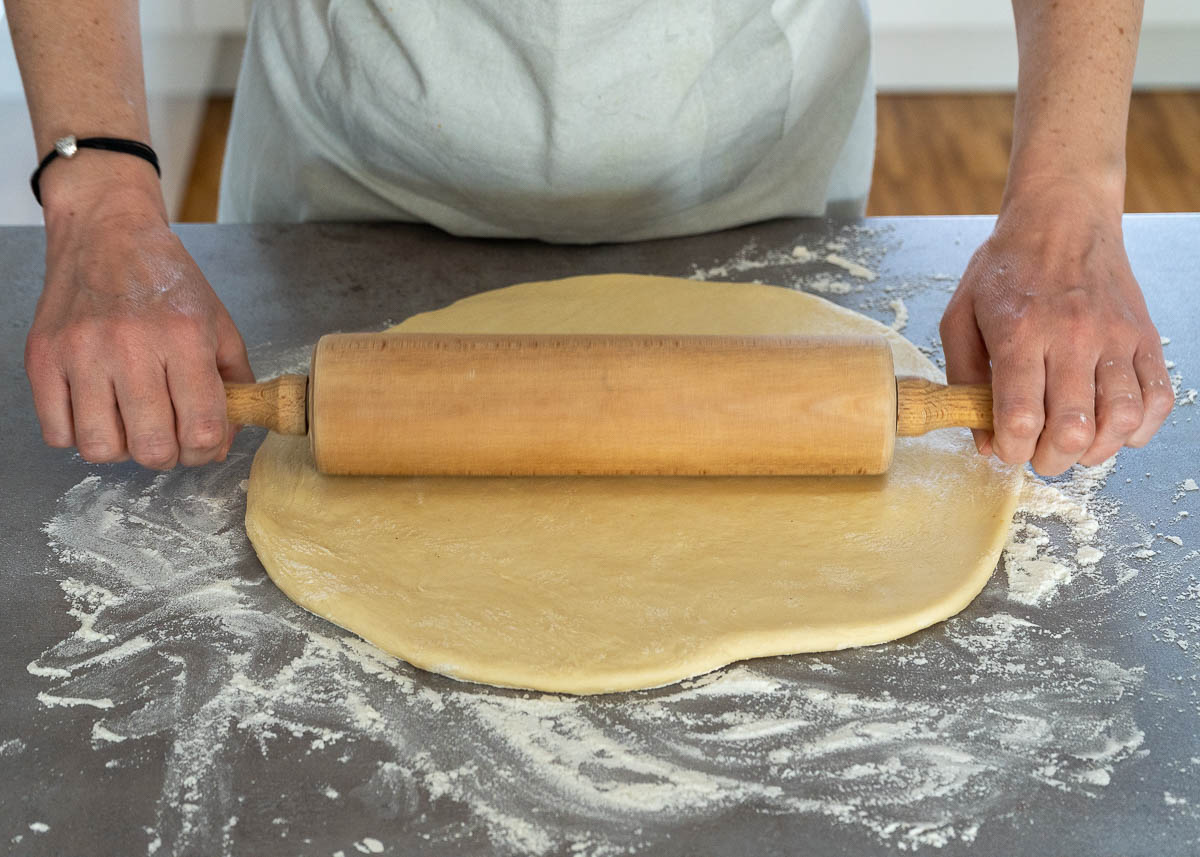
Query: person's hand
(1049,311)
(129,344)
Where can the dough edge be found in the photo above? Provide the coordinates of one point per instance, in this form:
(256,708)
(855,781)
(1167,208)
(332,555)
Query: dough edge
(716,652)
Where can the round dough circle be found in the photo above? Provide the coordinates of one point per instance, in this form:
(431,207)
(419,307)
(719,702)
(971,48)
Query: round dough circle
(591,585)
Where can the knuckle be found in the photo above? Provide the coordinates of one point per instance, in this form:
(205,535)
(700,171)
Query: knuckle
(1073,433)
(1075,303)
(1018,421)
(1127,334)
(1159,401)
(39,352)
(128,336)
(1125,416)
(1076,323)
(81,338)
(99,450)
(1020,318)
(1078,335)
(188,331)
(155,450)
(203,433)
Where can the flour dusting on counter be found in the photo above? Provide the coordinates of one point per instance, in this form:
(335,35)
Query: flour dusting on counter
(194,650)
(1034,567)
(188,642)
(851,267)
(801,267)
(849,261)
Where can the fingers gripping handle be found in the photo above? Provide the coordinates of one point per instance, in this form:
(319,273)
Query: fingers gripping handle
(280,404)
(923,406)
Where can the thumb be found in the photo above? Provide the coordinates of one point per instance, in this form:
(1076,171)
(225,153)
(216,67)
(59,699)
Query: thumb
(966,358)
(232,361)
(233,364)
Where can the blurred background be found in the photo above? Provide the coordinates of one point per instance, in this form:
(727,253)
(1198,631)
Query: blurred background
(946,71)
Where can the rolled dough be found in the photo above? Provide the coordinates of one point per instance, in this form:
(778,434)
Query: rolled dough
(590,585)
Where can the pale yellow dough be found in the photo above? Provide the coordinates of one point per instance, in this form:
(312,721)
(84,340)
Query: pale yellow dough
(588,585)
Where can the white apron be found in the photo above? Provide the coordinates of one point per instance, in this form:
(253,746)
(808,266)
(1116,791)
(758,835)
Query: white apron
(565,120)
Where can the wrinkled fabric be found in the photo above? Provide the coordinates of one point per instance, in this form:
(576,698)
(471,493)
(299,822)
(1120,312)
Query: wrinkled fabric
(564,120)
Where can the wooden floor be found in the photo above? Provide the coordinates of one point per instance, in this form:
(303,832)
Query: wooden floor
(936,154)
(948,154)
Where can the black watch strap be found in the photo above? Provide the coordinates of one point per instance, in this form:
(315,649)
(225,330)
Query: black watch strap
(66,147)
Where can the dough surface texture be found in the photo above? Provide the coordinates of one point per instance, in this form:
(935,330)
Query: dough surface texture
(592,585)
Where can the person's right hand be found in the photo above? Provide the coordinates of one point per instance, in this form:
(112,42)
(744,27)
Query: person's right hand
(129,343)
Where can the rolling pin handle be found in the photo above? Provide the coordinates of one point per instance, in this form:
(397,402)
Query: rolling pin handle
(923,406)
(280,404)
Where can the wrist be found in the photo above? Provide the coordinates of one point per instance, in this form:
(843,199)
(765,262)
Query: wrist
(1098,178)
(95,180)
(1082,198)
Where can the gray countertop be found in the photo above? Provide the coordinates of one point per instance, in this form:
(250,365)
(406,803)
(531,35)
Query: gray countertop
(161,697)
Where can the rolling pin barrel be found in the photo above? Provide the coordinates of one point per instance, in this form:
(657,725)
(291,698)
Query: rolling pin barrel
(425,404)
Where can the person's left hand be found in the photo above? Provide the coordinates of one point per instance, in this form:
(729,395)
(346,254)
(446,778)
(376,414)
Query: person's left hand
(1049,311)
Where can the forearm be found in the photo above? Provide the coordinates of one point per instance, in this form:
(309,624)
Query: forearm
(81,66)
(1049,309)
(1076,72)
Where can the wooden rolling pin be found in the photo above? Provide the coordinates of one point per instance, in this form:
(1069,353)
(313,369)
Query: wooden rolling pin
(493,405)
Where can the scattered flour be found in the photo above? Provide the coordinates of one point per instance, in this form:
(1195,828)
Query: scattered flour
(793,267)
(852,268)
(188,644)
(920,743)
(100,733)
(824,284)
(1035,571)
(71,701)
(751,258)
(901,312)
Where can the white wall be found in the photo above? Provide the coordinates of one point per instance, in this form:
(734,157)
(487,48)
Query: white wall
(192,48)
(940,45)
(186,53)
